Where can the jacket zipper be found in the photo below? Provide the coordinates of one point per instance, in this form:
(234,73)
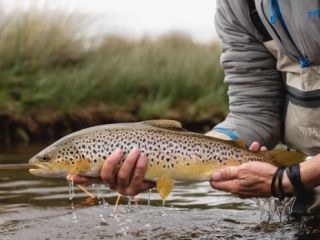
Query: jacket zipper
(275,12)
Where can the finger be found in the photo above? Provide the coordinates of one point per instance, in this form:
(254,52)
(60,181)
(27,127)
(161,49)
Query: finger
(263,149)
(127,168)
(225,174)
(227,186)
(137,183)
(109,168)
(255,146)
(77,179)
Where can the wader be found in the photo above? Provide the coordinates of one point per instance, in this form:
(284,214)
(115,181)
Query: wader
(301,127)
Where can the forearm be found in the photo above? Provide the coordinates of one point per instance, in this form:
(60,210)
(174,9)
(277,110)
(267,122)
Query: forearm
(310,172)
(255,89)
(310,175)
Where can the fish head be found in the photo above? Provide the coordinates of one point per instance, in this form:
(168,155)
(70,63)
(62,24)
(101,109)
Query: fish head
(58,160)
(48,163)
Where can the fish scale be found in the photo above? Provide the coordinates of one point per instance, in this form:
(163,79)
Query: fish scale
(173,152)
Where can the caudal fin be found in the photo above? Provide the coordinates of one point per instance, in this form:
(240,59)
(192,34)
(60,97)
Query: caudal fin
(284,158)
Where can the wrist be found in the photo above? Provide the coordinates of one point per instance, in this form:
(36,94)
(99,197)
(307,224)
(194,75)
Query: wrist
(287,185)
(223,133)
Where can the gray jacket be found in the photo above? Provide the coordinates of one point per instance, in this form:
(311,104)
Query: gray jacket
(272,83)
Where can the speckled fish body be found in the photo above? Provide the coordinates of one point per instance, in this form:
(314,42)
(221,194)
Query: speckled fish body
(173,152)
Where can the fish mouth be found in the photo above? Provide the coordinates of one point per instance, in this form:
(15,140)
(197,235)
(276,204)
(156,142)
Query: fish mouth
(38,169)
(46,170)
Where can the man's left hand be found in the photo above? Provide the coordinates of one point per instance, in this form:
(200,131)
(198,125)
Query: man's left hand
(251,179)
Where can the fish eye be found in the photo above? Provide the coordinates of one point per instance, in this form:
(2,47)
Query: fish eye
(44,158)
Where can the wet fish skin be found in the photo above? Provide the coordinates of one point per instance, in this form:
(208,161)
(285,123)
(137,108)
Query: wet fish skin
(173,152)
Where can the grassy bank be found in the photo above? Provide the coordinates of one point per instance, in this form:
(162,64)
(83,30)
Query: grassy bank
(49,67)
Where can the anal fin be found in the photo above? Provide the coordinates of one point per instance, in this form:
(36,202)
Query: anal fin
(164,187)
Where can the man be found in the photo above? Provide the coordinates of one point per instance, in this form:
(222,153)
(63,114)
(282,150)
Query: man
(258,38)
(271,57)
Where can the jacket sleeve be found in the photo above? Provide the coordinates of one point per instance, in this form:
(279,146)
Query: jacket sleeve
(255,87)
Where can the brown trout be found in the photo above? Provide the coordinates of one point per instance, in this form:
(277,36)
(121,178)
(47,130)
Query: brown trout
(173,152)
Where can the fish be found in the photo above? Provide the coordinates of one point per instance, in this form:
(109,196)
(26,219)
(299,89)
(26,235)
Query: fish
(174,153)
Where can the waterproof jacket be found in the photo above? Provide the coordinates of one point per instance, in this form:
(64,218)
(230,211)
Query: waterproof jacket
(271,57)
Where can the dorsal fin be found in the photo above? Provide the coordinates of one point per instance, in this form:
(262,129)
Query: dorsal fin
(164,123)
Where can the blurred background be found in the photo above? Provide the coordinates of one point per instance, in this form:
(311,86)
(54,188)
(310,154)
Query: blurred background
(69,64)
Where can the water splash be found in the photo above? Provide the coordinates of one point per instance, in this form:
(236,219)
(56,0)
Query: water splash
(101,202)
(123,221)
(274,211)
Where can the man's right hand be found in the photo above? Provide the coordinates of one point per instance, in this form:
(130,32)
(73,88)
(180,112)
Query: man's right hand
(128,179)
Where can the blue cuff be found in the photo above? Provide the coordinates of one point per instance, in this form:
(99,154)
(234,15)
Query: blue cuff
(231,134)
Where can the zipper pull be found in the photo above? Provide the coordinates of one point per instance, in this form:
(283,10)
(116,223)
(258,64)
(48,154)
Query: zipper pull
(304,62)
(272,15)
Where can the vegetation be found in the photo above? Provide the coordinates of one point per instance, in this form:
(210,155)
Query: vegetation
(48,65)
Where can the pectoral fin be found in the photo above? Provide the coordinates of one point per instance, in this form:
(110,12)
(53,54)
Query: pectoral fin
(164,187)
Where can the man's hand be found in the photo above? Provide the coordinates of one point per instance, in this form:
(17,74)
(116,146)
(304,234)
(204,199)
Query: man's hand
(251,179)
(128,179)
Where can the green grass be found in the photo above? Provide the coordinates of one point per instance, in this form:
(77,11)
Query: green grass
(45,63)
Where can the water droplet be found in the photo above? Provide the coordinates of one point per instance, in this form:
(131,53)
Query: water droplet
(163,212)
(71,196)
(74,218)
(71,188)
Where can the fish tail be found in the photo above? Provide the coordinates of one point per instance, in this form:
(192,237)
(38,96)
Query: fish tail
(284,158)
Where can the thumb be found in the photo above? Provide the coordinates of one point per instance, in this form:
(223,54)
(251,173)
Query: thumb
(225,174)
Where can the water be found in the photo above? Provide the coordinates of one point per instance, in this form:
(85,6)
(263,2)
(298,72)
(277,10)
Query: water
(38,208)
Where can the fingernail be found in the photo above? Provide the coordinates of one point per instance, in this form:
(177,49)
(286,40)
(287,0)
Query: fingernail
(216,176)
(118,151)
(136,150)
(70,177)
(143,156)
